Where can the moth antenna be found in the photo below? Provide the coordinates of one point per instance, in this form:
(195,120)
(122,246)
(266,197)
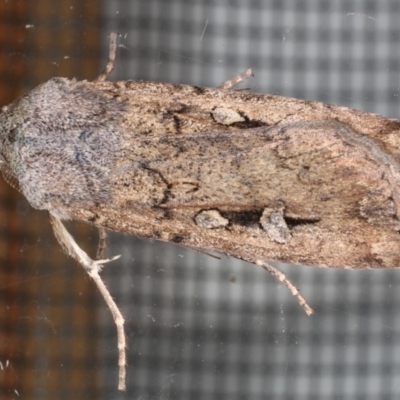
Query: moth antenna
(293,289)
(111,58)
(93,268)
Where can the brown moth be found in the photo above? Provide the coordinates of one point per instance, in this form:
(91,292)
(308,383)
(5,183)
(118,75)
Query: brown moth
(255,176)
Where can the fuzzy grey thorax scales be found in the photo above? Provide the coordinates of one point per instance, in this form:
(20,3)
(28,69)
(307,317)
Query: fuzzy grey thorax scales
(58,143)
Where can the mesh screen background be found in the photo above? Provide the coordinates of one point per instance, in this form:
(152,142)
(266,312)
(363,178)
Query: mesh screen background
(198,327)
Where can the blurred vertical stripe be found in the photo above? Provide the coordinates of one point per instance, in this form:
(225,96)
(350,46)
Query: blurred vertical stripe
(49,344)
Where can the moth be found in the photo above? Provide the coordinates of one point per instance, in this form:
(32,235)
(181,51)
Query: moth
(255,176)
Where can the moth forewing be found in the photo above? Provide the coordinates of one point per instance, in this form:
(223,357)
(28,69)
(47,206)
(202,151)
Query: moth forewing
(298,192)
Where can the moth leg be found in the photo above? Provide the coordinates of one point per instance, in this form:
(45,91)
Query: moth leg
(237,79)
(111,58)
(92,267)
(293,289)
(102,243)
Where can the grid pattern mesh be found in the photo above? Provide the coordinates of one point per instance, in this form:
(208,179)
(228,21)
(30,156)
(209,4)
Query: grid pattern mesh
(198,327)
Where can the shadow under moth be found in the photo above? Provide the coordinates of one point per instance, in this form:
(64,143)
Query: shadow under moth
(254,176)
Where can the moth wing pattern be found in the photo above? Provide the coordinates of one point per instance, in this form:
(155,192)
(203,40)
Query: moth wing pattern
(262,192)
